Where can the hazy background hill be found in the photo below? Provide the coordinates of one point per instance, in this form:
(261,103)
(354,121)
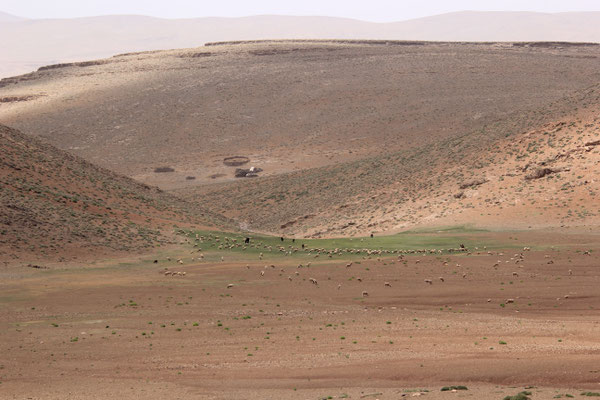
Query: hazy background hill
(4,17)
(50,41)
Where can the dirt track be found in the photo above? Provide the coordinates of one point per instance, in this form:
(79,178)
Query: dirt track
(269,337)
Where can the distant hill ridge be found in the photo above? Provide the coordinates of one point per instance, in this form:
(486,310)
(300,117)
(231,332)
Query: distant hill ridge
(96,37)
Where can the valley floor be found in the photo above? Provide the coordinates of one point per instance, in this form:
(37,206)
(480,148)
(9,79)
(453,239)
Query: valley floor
(503,320)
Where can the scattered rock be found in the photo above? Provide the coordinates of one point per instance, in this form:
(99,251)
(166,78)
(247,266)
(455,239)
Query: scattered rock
(164,169)
(251,172)
(473,183)
(542,172)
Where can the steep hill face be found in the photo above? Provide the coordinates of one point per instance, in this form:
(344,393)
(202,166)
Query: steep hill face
(287,106)
(529,170)
(54,203)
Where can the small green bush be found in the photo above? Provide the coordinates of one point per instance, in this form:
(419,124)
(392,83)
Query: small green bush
(448,388)
(519,396)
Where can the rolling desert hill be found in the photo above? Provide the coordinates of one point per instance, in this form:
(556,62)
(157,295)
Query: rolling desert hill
(54,204)
(287,106)
(535,170)
(352,136)
(50,41)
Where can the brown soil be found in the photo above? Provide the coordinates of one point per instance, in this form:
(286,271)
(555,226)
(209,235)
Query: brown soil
(105,329)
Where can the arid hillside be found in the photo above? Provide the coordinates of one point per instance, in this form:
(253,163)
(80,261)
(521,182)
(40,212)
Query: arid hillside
(286,106)
(528,170)
(55,204)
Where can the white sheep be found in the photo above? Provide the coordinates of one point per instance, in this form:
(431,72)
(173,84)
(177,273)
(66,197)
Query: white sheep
(429,281)
(387,284)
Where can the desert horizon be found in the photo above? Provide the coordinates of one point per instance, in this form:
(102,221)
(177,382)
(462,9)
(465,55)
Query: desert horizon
(53,41)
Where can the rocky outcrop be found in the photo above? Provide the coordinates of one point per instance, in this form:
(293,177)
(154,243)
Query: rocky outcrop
(542,172)
(473,183)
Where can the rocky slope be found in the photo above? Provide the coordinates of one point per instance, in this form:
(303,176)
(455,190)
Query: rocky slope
(54,203)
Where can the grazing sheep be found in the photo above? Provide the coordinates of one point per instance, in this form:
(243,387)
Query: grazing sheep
(464,276)
(509,301)
(387,284)
(348,265)
(313,281)
(247,266)
(290,278)
(297,273)
(339,286)
(570,272)
(359,279)
(167,273)
(365,293)
(515,274)
(442,278)
(429,281)
(180,261)
(230,286)
(155,261)
(262,273)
